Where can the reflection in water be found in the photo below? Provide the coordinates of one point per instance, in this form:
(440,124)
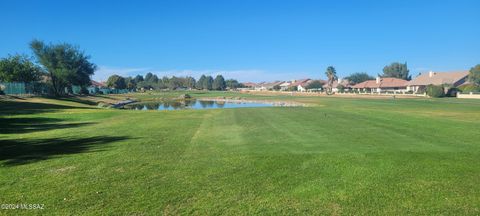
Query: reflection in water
(192,104)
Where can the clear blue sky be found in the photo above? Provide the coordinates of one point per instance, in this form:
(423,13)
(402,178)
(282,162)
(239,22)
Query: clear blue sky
(251,40)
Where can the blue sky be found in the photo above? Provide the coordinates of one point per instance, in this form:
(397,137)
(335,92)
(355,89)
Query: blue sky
(251,40)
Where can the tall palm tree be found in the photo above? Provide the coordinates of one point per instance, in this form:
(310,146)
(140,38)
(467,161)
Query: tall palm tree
(332,76)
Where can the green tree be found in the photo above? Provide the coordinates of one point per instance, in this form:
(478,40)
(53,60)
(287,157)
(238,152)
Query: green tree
(233,84)
(148,77)
(116,82)
(396,70)
(219,83)
(356,78)
(19,68)
(331,74)
(474,75)
(201,82)
(316,84)
(190,82)
(138,78)
(174,83)
(131,85)
(208,83)
(154,79)
(65,64)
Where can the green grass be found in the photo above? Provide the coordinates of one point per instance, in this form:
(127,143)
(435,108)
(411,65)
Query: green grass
(337,156)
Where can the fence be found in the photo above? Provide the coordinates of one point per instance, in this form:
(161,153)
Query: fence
(471,95)
(19,88)
(37,88)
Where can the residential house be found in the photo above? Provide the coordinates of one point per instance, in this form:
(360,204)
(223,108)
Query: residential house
(96,87)
(449,79)
(336,84)
(285,85)
(382,84)
(301,84)
(249,85)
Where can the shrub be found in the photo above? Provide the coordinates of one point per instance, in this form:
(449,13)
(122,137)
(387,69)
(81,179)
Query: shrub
(435,91)
(470,88)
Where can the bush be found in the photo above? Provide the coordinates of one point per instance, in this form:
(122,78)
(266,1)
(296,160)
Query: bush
(435,91)
(469,88)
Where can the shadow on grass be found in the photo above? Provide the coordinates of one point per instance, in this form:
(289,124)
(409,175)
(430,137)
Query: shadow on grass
(27,125)
(77,100)
(17,108)
(23,151)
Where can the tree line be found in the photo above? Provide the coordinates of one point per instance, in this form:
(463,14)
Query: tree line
(152,81)
(62,66)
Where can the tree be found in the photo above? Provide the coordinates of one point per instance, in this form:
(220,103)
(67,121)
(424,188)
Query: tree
(174,83)
(131,85)
(359,77)
(474,74)
(219,83)
(116,82)
(208,83)
(396,70)
(148,77)
(138,79)
(190,82)
(154,79)
(233,84)
(316,84)
(65,64)
(19,68)
(201,82)
(331,74)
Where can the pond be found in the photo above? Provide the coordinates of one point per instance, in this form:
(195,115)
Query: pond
(194,104)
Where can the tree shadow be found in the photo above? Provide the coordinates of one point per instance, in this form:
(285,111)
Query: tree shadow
(78,100)
(27,125)
(23,151)
(18,108)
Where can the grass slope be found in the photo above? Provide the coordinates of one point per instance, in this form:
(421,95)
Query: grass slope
(337,156)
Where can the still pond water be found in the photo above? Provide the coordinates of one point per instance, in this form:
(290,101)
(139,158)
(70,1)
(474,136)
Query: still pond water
(193,104)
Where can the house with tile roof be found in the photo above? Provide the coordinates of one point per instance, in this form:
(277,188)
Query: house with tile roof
(381,84)
(301,84)
(343,82)
(451,79)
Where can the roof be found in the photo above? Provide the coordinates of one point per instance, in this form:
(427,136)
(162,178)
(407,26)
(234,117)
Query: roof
(387,82)
(98,84)
(272,84)
(249,84)
(302,82)
(438,78)
(343,82)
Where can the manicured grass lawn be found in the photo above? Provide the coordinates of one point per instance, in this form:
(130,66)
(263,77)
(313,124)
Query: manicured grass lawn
(337,156)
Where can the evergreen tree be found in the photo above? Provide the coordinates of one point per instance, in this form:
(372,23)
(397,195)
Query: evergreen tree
(219,83)
(208,83)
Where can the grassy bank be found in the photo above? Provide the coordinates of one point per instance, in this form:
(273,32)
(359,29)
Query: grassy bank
(337,156)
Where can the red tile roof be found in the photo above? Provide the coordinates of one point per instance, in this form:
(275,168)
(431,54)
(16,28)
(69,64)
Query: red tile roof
(302,82)
(249,84)
(386,82)
(98,84)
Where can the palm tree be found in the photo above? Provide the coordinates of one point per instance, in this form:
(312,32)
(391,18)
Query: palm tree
(332,76)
